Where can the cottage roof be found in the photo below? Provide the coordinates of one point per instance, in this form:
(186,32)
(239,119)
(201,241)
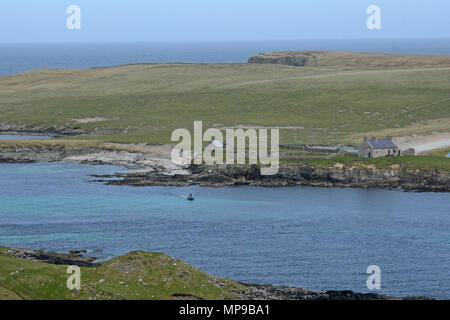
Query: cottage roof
(382,143)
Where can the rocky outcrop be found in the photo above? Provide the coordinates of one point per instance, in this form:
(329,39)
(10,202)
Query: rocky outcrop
(270,292)
(34,130)
(19,153)
(302,175)
(56,130)
(358,60)
(73,258)
(154,171)
(298,60)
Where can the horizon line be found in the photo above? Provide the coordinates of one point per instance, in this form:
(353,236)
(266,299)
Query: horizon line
(222,41)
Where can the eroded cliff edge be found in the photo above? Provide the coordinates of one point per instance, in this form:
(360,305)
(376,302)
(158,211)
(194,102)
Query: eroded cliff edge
(352,60)
(301,175)
(148,170)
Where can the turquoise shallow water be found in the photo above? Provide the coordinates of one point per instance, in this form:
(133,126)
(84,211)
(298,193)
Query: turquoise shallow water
(318,238)
(9,137)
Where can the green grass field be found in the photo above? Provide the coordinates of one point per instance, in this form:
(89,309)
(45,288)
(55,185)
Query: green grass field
(441,152)
(145,103)
(406,162)
(136,275)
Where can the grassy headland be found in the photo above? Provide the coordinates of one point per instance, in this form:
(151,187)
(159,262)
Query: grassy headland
(336,98)
(136,275)
(332,102)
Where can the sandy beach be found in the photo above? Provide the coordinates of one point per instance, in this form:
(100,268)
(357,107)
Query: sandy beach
(424,143)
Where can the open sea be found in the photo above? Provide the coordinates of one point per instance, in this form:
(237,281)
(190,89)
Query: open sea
(316,238)
(15,58)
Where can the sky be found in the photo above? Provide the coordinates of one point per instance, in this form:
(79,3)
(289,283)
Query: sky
(219,20)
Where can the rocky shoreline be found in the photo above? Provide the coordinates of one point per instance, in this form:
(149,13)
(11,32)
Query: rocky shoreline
(73,258)
(154,170)
(55,130)
(246,291)
(9,128)
(301,175)
(270,292)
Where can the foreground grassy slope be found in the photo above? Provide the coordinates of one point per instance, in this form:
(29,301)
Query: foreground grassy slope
(321,104)
(137,275)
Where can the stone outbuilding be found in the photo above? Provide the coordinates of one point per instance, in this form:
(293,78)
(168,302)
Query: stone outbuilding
(376,148)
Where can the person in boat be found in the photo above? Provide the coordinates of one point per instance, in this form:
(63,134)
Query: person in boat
(190,197)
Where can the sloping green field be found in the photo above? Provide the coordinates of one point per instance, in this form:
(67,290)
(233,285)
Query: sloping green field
(136,275)
(145,103)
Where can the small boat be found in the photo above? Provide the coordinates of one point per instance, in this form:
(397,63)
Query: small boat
(190,197)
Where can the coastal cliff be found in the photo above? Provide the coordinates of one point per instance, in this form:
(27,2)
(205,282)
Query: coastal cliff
(359,60)
(301,175)
(294,59)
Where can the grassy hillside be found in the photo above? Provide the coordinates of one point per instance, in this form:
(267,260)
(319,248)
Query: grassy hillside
(145,103)
(137,275)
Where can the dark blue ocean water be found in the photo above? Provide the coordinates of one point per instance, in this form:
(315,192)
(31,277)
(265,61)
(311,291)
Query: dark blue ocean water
(15,58)
(317,238)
